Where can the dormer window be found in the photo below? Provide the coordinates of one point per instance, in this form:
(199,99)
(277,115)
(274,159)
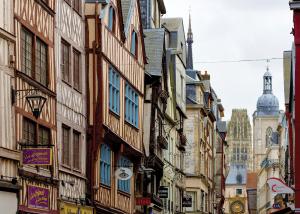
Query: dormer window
(134,44)
(111,19)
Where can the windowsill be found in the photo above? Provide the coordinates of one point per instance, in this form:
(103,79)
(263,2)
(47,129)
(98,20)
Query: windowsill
(114,113)
(66,82)
(126,194)
(131,125)
(69,170)
(105,186)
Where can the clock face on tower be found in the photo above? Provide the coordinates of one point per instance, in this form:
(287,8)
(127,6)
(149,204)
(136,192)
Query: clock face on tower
(237,207)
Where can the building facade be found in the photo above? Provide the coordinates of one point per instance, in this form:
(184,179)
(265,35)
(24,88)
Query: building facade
(71,105)
(9,155)
(174,177)
(116,68)
(239,158)
(35,75)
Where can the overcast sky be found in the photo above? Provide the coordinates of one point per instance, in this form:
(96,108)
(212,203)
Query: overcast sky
(233,30)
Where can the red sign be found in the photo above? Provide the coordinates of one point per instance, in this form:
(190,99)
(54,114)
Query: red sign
(143,201)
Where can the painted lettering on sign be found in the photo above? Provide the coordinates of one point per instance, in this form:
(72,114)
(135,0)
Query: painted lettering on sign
(37,156)
(38,197)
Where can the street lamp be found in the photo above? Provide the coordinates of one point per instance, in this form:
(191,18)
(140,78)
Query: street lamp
(36,101)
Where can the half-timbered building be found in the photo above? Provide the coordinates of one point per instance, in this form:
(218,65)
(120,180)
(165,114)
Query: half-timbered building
(115,69)
(71,106)
(9,156)
(36,131)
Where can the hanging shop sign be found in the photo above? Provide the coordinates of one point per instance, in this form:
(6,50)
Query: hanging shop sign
(163,192)
(123,173)
(277,186)
(37,156)
(187,201)
(38,197)
(143,201)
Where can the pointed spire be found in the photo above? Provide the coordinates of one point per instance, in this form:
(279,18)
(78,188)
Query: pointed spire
(190,42)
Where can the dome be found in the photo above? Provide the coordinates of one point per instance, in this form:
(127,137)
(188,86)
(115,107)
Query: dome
(267,104)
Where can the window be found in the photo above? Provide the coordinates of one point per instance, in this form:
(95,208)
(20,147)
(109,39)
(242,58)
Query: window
(194,199)
(76,150)
(66,145)
(76,5)
(34,62)
(65,61)
(76,70)
(105,165)
(44,135)
(41,62)
(134,47)
(239,191)
(27,44)
(114,91)
(268,136)
(124,185)
(111,19)
(29,131)
(131,106)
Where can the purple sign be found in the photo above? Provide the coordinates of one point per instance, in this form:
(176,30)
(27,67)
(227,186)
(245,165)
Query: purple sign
(38,197)
(37,156)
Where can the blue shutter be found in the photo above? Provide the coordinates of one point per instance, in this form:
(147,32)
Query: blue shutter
(105,165)
(131,106)
(114,91)
(124,185)
(111,19)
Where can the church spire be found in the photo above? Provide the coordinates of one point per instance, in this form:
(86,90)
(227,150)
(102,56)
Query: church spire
(267,81)
(190,48)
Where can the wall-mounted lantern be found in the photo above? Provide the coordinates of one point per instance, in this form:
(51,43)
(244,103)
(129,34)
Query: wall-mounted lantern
(35,100)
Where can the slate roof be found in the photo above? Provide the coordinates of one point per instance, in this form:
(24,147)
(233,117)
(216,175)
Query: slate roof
(235,171)
(154,44)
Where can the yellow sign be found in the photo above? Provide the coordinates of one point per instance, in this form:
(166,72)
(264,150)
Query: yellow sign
(86,210)
(66,208)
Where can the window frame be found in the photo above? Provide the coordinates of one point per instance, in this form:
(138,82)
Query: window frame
(65,46)
(114,91)
(78,54)
(124,186)
(111,24)
(33,54)
(64,158)
(78,157)
(134,44)
(36,134)
(131,104)
(105,165)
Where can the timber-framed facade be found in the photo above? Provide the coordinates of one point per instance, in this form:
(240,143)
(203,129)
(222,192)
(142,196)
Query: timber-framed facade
(34,30)
(116,66)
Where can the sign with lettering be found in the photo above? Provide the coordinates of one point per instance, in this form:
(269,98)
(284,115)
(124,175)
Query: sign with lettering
(187,201)
(38,197)
(143,201)
(163,192)
(37,156)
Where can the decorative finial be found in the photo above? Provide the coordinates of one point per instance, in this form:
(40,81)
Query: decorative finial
(268,61)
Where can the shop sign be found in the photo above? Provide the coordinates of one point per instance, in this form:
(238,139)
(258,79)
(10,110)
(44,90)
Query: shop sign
(187,201)
(277,186)
(163,192)
(38,197)
(123,173)
(276,206)
(37,156)
(143,201)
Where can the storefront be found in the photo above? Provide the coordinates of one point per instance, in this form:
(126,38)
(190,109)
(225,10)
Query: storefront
(72,208)
(8,201)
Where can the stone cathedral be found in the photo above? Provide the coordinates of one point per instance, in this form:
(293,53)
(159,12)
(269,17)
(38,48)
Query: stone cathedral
(239,158)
